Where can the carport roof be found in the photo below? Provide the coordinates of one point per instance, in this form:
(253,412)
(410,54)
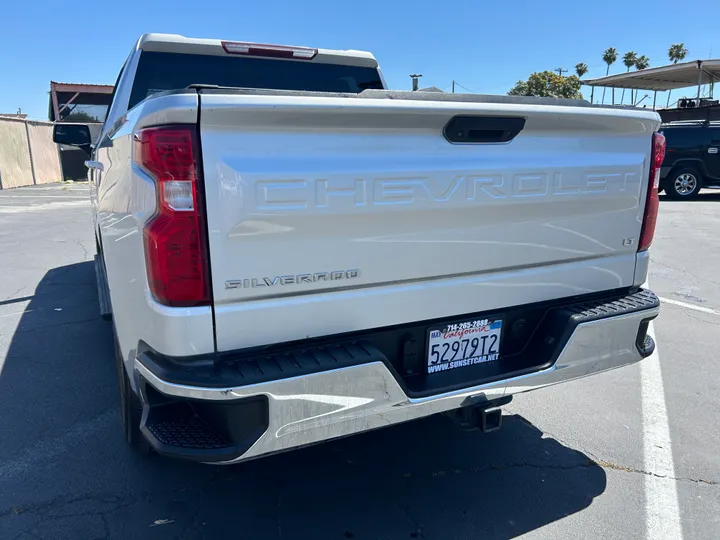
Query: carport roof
(77,87)
(661,78)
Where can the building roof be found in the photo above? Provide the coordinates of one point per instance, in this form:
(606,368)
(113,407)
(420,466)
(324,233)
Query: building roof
(664,77)
(78,87)
(430,89)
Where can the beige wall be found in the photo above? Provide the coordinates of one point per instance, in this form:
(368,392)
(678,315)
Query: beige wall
(17,137)
(45,157)
(15,168)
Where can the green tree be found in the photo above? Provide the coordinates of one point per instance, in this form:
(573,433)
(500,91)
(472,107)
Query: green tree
(641,62)
(80,117)
(548,84)
(581,69)
(629,59)
(609,57)
(676,53)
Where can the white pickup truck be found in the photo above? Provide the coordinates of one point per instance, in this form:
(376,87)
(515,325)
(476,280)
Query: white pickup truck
(295,253)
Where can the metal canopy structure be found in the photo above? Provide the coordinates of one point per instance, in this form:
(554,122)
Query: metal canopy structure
(697,72)
(670,77)
(87,101)
(82,103)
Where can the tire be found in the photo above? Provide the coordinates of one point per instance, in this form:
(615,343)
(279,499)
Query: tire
(683,184)
(130,408)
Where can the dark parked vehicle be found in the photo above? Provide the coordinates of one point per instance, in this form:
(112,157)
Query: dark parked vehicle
(692,158)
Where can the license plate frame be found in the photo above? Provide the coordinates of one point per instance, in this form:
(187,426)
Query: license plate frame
(440,359)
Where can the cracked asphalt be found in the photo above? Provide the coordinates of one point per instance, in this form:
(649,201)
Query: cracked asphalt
(568,462)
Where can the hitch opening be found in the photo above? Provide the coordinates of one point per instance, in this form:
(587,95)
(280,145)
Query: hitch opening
(484,415)
(490,420)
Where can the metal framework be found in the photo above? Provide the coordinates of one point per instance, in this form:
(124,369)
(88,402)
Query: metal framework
(63,95)
(670,77)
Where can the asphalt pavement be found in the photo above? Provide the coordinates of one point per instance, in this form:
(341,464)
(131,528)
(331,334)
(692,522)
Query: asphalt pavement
(634,453)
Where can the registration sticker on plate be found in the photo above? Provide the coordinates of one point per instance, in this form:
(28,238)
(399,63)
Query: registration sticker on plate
(463,344)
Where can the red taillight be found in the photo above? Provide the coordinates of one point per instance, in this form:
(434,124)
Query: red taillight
(652,202)
(175,247)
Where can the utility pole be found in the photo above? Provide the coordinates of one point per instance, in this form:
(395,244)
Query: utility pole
(453,89)
(560,71)
(415,77)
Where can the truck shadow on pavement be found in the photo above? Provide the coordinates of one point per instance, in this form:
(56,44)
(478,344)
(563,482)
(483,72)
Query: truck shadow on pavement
(65,471)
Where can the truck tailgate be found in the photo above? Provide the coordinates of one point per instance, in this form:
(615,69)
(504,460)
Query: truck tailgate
(330,215)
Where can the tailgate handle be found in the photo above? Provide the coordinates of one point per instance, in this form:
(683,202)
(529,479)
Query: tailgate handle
(483,129)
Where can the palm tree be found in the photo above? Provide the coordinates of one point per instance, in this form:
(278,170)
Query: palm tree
(581,69)
(642,62)
(609,57)
(676,53)
(629,59)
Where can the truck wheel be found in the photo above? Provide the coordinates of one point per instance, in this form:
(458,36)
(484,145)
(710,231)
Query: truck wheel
(130,408)
(683,184)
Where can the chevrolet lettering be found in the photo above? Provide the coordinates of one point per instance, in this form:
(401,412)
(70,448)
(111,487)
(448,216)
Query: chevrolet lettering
(295,194)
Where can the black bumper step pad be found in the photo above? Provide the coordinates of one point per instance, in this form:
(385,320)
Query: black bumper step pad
(252,369)
(612,307)
(200,430)
(189,432)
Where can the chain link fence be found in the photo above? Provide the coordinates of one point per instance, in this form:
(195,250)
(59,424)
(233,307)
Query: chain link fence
(28,155)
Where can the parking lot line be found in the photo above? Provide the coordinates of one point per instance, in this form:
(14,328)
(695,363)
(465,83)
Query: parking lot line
(662,515)
(690,306)
(43,206)
(59,196)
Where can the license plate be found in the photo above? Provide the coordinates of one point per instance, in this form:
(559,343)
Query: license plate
(463,344)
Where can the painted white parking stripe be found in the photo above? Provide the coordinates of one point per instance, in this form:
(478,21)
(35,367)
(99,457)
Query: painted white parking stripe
(15,313)
(690,306)
(44,206)
(662,513)
(57,197)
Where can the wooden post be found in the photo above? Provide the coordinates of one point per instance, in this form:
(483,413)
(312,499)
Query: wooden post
(53,95)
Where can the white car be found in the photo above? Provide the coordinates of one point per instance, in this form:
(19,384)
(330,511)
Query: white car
(295,253)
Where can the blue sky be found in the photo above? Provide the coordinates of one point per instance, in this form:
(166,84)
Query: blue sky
(485,46)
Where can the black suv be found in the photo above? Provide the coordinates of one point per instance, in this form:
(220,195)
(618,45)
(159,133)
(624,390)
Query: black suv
(692,158)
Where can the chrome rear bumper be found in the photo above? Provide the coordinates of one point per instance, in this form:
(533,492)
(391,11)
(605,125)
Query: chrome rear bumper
(336,403)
